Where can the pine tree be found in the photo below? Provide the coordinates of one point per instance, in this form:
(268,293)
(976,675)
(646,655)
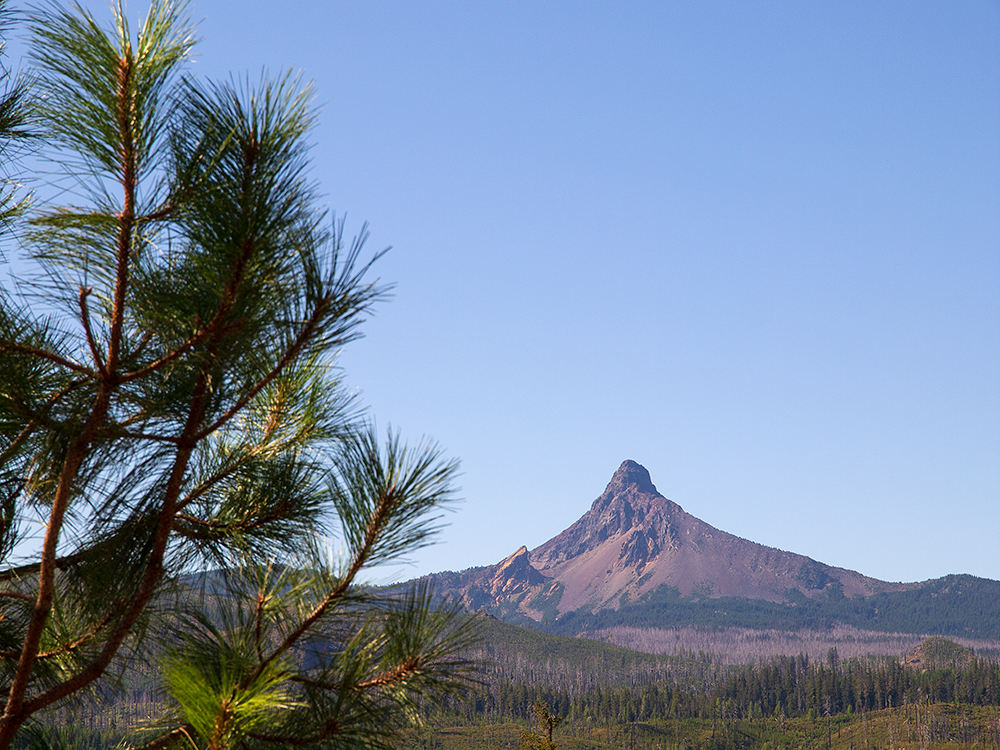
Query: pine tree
(168,403)
(547,722)
(15,117)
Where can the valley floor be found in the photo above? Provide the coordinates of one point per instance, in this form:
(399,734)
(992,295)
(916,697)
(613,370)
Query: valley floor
(933,727)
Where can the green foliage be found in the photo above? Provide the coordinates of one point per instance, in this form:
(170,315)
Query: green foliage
(169,402)
(940,652)
(547,601)
(546,722)
(213,699)
(17,112)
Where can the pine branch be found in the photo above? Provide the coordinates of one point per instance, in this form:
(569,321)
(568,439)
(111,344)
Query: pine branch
(330,729)
(13,346)
(290,355)
(35,421)
(67,648)
(16,710)
(214,530)
(375,526)
(91,342)
(185,731)
(215,479)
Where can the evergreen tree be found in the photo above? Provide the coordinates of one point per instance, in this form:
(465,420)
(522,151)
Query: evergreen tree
(168,403)
(15,115)
(547,721)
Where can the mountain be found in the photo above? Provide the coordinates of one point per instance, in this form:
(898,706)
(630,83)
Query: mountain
(637,559)
(633,541)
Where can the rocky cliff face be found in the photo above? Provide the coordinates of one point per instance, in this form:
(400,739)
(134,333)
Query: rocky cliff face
(632,541)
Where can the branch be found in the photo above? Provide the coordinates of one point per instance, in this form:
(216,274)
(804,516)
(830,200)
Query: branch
(331,728)
(376,524)
(217,526)
(67,648)
(85,318)
(204,334)
(126,219)
(61,563)
(16,709)
(168,739)
(164,211)
(389,677)
(151,575)
(410,667)
(289,356)
(42,354)
(228,471)
(212,329)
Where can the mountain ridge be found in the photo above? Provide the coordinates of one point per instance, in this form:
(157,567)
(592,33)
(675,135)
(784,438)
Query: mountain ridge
(633,541)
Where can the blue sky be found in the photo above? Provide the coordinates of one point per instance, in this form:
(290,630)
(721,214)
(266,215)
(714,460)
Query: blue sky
(753,246)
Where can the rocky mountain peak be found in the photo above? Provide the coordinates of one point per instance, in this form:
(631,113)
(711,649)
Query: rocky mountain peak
(633,541)
(629,505)
(629,475)
(515,574)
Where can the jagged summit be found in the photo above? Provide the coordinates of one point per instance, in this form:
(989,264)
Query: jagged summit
(630,509)
(630,474)
(633,541)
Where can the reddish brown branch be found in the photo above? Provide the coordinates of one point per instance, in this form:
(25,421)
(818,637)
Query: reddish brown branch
(186,443)
(375,527)
(392,677)
(151,575)
(332,728)
(290,355)
(168,739)
(187,521)
(70,647)
(219,476)
(91,341)
(16,709)
(126,219)
(50,356)
(206,332)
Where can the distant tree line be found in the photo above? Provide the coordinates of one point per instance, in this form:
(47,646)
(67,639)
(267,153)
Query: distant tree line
(957,605)
(789,687)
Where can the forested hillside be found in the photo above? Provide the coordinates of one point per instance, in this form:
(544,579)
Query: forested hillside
(956,605)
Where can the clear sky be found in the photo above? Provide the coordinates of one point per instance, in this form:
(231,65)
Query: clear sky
(753,246)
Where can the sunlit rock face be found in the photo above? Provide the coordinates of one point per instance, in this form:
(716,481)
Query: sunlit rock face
(632,541)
